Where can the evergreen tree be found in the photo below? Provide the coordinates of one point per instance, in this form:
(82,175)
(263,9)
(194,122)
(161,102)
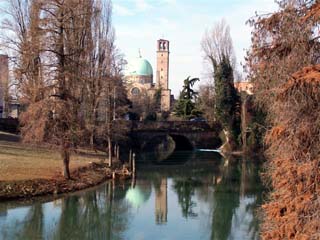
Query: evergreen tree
(227,106)
(185,107)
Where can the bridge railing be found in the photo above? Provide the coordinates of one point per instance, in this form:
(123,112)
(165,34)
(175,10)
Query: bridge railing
(173,125)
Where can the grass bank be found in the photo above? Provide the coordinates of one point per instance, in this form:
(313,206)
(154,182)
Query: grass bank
(28,171)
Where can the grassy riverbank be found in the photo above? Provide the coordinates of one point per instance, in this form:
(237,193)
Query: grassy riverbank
(82,178)
(23,162)
(28,171)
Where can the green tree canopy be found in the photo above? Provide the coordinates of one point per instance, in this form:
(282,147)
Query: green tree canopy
(185,106)
(227,106)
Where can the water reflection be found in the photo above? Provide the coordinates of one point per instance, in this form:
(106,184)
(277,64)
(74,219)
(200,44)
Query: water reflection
(161,205)
(138,195)
(206,198)
(185,189)
(225,199)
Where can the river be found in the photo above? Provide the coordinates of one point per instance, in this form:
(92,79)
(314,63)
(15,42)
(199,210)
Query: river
(192,195)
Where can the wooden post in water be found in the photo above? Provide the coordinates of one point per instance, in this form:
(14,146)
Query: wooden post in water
(133,182)
(134,164)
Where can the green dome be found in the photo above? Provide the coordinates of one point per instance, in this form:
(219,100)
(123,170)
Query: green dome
(140,67)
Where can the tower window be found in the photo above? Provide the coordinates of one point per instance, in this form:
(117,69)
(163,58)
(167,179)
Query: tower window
(135,91)
(161,69)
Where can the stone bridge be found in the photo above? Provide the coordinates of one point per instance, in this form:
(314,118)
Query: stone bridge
(174,135)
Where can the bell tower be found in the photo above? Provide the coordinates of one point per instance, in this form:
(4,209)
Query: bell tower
(163,73)
(163,64)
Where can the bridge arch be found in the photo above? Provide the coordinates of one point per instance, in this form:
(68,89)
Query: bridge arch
(182,143)
(158,137)
(178,142)
(162,146)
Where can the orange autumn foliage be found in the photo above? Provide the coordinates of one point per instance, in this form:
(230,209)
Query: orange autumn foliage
(313,12)
(275,133)
(293,211)
(283,66)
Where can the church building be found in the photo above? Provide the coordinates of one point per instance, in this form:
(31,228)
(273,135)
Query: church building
(140,77)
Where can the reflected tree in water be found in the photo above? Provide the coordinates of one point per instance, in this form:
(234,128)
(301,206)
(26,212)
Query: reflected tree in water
(69,223)
(225,199)
(251,188)
(92,217)
(118,214)
(33,223)
(95,215)
(237,194)
(185,189)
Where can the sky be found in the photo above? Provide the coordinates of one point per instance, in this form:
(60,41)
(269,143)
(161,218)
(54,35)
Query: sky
(140,23)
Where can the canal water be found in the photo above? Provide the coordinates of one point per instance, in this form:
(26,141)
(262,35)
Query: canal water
(193,195)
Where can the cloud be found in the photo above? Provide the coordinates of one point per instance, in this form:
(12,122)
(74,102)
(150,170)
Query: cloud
(142,5)
(136,6)
(122,11)
(170,2)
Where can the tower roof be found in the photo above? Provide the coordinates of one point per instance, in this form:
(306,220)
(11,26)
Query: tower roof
(141,67)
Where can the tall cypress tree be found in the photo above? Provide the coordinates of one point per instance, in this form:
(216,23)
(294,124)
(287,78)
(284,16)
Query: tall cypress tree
(227,106)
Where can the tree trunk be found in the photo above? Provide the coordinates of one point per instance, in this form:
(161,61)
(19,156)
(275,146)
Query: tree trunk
(229,145)
(93,126)
(110,151)
(91,138)
(244,124)
(118,152)
(65,153)
(115,150)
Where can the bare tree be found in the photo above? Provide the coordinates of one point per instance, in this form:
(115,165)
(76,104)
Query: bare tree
(206,101)
(216,44)
(220,58)
(104,96)
(67,66)
(65,24)
(144,104)
(101,49)
(22,37)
